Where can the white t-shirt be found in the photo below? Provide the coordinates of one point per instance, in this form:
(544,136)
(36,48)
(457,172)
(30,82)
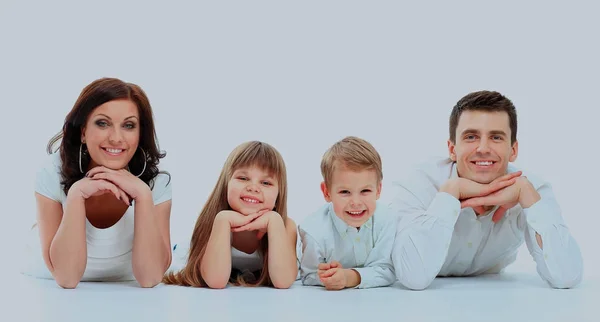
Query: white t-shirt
(108,249)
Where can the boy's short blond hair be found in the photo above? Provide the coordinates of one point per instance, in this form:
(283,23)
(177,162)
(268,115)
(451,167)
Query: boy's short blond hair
(352,153)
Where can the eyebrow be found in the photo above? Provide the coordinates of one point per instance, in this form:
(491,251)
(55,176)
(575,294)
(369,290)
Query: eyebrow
(474,131)
(245,172)
(108,117)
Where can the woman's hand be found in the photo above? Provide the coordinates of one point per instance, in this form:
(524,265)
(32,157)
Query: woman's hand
(123,179)
(86,188)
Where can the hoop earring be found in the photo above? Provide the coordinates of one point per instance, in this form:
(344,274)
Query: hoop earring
(80,148)
(145,161)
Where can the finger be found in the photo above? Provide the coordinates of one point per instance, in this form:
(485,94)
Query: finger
(98,169)
(498,186)
(330,272)
(243,228)
(508,176)
(498,214)
(335,264)
(125,198)
(324,266)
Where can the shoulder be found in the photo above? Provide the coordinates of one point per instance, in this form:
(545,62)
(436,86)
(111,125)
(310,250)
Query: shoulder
(161,188)
(383,217)
(536,180)
(317,224)
(48,177)
(434,171)
(422,180)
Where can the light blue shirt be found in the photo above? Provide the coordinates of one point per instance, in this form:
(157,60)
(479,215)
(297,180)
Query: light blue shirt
(325,238)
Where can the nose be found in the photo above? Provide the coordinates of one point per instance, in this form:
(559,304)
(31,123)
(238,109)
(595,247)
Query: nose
(252,187)
(115,136)
(483,146)
(354,202)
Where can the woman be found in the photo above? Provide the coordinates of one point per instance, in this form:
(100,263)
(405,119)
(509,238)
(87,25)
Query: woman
(103,206)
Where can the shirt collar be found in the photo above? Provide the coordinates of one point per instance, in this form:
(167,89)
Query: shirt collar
(342,227)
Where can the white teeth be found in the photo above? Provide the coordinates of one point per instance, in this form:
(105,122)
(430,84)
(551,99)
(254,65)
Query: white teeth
(355,212)
(250,200)
(484,162)
(114,150)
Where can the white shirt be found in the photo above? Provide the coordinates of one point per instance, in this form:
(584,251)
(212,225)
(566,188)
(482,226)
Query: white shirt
(436,238)
(325,238)
(108,250)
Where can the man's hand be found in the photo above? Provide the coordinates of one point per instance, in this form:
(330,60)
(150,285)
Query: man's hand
(462,188)
(522,192)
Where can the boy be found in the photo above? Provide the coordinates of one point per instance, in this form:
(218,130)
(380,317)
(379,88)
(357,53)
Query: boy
(347,243)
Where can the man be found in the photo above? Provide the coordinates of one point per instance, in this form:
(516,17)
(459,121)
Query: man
(468,214)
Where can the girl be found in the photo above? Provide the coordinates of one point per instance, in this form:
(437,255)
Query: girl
(243,234)
(103,206)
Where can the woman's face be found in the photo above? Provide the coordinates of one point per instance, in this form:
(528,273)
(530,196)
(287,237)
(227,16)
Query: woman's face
(112,134)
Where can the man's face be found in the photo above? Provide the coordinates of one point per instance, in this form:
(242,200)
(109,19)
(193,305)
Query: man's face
(482,149)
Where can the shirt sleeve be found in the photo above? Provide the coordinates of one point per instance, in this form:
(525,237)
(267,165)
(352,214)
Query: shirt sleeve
(560,262)
(312,256)
(426,221)
(378,270)
(162,189)
(47,180)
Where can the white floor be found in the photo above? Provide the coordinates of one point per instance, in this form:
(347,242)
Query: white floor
(506,297)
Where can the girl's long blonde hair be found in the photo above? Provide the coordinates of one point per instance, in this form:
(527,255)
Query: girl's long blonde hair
(253,153)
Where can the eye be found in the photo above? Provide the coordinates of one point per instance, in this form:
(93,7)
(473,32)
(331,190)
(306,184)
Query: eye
(267,183)
(471,137)
(101,123)
(366,190)
(129,126)
(344,192)
(242,178)
(497,138)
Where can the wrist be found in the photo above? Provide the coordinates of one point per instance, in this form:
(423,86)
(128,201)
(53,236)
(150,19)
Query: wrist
(275,219)
(528,196)
(352,277)
(451,187)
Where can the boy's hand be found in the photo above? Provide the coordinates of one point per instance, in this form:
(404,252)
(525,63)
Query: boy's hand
(332,275)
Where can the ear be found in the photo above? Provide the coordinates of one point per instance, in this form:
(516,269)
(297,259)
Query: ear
(83,134)
(379,190)
(452,150)
(325,192)
(514,151)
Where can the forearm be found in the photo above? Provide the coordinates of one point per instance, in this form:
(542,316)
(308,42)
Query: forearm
(68,250)
(151,254)
(215,266)
(422,242)
(559,262)
(283,267)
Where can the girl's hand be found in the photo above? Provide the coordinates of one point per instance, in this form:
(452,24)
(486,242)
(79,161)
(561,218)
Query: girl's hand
(86,188)
(260,225)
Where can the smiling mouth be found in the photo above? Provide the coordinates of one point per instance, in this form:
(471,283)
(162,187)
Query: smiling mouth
(359,213)
(483,163)
(113,151)
(250,200)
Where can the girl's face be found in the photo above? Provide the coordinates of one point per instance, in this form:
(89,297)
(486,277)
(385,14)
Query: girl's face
(252,189)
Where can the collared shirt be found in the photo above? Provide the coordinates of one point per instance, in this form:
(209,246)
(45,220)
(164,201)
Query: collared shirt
(435,237)
(325,238)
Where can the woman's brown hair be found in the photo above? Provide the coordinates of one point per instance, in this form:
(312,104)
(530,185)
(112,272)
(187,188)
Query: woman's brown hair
(248,154)
(93,95)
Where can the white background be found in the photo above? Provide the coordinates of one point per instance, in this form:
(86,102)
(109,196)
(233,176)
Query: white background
(301,76)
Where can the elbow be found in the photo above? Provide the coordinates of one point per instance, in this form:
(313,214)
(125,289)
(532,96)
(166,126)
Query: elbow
(67,282)
(567,281)
(415,283)
(216,283)
(148,282)
(283,284)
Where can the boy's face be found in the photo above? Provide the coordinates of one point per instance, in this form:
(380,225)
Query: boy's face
(353,195)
